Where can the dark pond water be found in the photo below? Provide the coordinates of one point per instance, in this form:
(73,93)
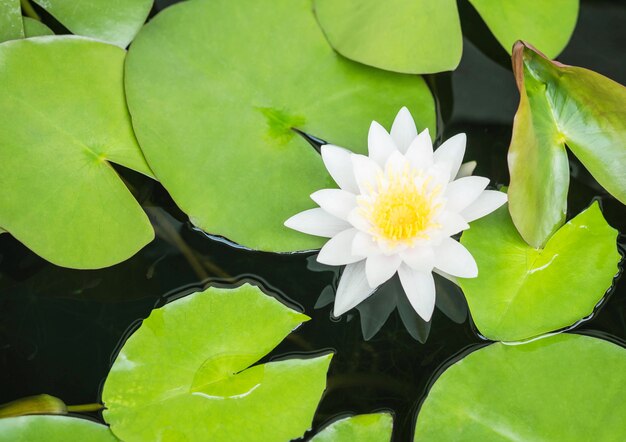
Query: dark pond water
(60,329)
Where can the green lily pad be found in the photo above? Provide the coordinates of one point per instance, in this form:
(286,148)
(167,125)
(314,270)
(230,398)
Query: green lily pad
(546,24)
(214,107)
(375,427)
(53,429)
(113,21)
(11,26)
(424,36)
(186,373)
(562,388)
(411,36)
(561,105)
(62,123)
(522,292)
(35,28)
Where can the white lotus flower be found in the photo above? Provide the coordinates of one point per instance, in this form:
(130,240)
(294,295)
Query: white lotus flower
(395,211)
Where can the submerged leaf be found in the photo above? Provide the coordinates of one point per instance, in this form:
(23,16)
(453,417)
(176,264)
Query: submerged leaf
(375,427)
(186,373)
(545,24)
(410,36)
(11,26)
(62,122)
(113,21)
(565,387)
(53,429)
(522,292)
(561,105)
(215,111)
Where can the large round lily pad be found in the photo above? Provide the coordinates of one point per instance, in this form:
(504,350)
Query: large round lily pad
(186,373)
(561,388)
(412,36)
(64,118)
(53,429)
(11,25)
(375,427)
(522,292)
(114,21)
(215,89)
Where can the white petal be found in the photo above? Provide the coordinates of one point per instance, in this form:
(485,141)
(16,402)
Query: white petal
(379,268)
(396,163)
(364,245)
(452,151)
(487,202)
(452,223)
(466,169)
(420,152)
(403,130)
(366,172)
(451,257)
(419,258)
(317,222)
(357,220)
(353,288)
(380,145)
(339,164)
(464,191)
(419,287)
(338,250)
(337,202)
(440,174)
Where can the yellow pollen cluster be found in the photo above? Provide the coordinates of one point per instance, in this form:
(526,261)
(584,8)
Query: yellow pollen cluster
(402,210)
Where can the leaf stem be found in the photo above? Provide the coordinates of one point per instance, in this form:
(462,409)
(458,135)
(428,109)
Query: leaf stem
(29,10)
(84,408)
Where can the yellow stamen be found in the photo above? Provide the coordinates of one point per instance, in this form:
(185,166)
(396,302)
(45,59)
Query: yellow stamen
(402,210)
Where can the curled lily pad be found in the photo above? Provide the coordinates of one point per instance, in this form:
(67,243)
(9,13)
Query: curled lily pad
(11,26)
(53,429)
(424,36)
(547,25)
(561,106)
(114,21)
(375,427)
(186,373)
(63,122)
(215,111)
(565,387)
(411,36)
(522,292)
(35,28)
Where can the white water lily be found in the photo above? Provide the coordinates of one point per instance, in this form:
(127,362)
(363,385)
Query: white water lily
(395,211)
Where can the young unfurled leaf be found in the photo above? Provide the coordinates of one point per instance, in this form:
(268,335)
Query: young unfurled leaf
(53,429)
(561,106)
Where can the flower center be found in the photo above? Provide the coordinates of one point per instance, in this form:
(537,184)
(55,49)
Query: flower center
(403,208)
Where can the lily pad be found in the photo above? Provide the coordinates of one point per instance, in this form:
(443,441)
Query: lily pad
(113,21)
(375,427)
(11,26)
(186,373)
(63,122)
(522,292)
(424,36)
(561,106)
(35,28)
(547,25)
(565,387)
(411,36)
(215,110)
(53,429)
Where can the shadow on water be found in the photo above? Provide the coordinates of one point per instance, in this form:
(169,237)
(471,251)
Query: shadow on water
(60,329)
